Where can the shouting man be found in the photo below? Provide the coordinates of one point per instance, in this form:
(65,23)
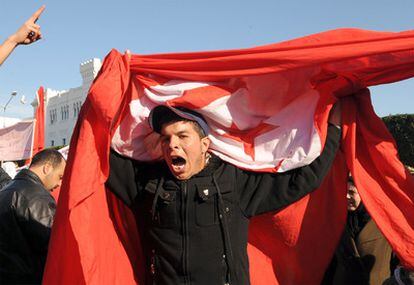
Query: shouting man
(193,209)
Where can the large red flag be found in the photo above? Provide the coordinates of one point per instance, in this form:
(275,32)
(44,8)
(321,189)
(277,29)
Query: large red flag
(267,108)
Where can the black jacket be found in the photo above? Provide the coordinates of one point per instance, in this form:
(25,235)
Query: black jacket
(26,216)
(4,178)
(195,231)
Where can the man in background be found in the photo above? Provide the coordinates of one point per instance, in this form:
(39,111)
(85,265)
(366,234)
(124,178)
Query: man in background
(27,211)
(363,255)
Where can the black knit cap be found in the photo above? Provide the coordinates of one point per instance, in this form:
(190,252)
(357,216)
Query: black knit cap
(163,114)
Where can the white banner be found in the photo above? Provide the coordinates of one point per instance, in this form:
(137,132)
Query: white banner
(7,121)
(16,141)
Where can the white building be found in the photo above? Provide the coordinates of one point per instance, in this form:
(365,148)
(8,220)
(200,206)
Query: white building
(62,107)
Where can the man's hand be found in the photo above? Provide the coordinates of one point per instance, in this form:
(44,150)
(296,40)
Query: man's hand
(29,32)
(26,34)
(335,116)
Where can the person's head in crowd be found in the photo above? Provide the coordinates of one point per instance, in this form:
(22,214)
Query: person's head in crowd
(352,195)
(49,165)
(184,140)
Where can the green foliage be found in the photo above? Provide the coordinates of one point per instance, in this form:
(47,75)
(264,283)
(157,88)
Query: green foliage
(57,147)
(402,129)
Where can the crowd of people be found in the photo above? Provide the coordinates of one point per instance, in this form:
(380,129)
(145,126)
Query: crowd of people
(189,177)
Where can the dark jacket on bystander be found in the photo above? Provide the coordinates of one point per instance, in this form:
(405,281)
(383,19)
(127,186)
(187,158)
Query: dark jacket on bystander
(26,215)
(4,178)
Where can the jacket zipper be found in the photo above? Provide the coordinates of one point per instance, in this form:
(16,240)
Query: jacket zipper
(184,214)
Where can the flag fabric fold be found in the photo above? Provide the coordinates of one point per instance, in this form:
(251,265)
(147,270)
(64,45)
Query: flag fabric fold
(267,108)
(39,132)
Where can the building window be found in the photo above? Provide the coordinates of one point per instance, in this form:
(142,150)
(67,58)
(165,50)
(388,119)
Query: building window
(52,143)
(64,110)
(63,141)
(76,109)
(53,116)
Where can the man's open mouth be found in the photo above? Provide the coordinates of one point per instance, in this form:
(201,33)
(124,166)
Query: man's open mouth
(178,163)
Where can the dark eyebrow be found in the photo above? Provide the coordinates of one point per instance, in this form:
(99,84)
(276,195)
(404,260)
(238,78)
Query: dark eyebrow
(182,132)
(179,133)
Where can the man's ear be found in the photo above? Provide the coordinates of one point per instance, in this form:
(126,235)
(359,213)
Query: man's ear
(47,168)
(205,144)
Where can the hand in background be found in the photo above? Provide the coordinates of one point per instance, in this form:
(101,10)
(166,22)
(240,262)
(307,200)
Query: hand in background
(29,32)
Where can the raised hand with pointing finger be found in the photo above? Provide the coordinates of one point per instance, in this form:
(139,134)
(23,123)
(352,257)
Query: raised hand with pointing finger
(28,33)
